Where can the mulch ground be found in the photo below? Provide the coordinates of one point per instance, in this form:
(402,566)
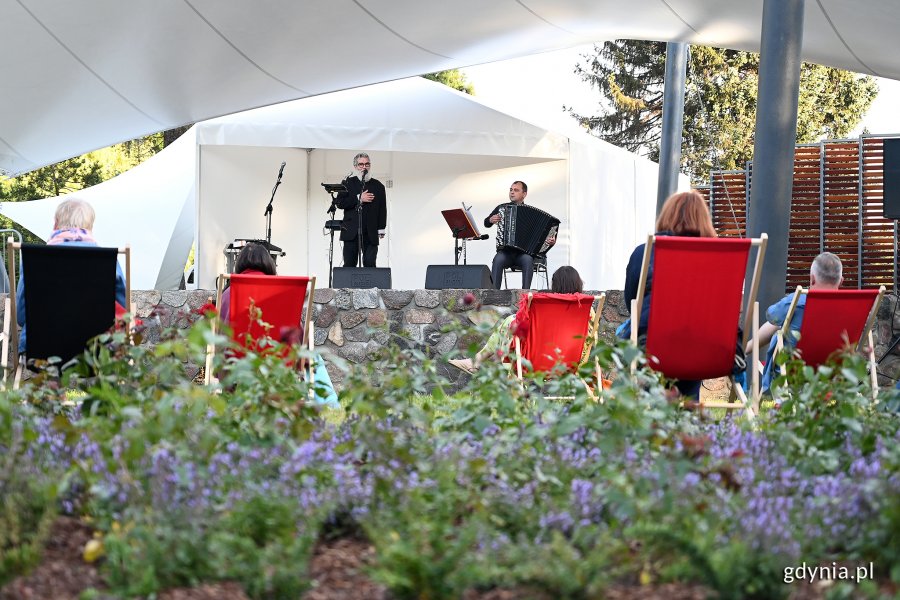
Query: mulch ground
(338,571)
(62,574)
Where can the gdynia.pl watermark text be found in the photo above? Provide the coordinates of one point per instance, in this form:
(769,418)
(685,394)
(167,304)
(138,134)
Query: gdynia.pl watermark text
(834,572)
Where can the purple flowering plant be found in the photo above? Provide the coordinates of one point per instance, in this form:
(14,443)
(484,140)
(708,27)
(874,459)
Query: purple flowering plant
(495,486)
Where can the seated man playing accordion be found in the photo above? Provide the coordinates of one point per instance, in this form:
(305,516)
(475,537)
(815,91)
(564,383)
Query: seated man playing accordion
(523,233)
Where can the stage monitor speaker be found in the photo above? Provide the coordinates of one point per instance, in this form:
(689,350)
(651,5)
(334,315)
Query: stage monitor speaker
(458,277)
(361,278)
(891,178)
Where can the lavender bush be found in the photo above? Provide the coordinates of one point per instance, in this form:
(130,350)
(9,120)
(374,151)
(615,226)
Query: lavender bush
(493,487)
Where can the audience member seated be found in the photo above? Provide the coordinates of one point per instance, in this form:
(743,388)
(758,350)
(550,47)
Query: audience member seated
(566,280)
(825,273)
(254,259)
(683,214)
(73,224)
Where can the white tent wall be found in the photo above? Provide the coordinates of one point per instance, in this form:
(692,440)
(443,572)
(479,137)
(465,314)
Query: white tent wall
(235,186)
(144,207)
(613,205)
(433,146)
(422,185)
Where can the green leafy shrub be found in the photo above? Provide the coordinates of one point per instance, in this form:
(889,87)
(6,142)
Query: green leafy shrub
(27,489)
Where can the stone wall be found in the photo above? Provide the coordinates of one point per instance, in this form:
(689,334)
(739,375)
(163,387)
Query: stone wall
(887,327)
(353,324)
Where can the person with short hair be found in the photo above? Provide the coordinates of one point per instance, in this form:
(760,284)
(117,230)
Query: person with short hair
(73,224)
(365,197)
(510,257)
(566,280)
(825,273)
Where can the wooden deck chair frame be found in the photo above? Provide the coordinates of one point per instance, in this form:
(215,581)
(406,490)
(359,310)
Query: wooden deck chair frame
(308,333)
(591,339)
(865,335)
(750,325)
(10,353)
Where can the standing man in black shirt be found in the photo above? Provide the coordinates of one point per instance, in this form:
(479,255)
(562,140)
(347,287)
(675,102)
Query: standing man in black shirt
(508,257)
(364,198)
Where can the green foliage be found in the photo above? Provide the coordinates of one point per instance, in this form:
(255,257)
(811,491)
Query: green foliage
(497,486)
(720,102)
(27,492)
(452,78)
(821,409)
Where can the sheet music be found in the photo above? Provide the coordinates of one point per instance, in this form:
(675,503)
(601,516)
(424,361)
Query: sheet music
(472,221)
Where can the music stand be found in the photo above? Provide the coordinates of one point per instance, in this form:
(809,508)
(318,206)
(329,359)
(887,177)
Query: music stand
(463,227)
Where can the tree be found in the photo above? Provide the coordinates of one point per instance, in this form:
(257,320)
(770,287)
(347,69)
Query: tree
(720,102)
(61,178)
(452,78)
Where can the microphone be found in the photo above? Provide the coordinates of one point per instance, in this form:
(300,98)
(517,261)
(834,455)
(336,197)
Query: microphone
(364,173)
(281,171)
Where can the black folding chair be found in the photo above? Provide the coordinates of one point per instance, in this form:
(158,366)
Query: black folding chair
(70,297)
(540,269)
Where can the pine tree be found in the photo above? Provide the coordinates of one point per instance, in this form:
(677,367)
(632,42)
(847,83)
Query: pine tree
(720,102)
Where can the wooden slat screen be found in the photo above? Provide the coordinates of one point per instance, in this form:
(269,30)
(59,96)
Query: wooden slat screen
(804,236)
(877,232)
(836,206)
(728,202)
(841,203)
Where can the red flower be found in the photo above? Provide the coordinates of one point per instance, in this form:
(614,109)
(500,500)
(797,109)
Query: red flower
(207,310)
(468,299)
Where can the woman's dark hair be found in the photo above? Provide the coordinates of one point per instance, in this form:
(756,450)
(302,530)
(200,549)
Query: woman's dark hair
(566,280)
(254,257)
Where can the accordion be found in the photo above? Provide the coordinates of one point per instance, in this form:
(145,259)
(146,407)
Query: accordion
(525,228)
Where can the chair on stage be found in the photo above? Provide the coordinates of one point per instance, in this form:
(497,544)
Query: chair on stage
(558,330)
(540,268)
(279,300)
(695,309)
(832,321)
(70,298)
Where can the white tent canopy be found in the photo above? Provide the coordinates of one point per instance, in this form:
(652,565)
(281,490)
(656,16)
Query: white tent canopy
(89,74)
(433,146)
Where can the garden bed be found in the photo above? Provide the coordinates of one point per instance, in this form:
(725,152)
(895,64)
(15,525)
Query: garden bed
(248,490)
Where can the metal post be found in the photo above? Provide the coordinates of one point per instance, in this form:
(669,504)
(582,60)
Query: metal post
(776,135)
(672,122)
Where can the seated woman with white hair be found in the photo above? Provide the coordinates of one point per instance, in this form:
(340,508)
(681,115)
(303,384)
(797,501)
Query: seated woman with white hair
(72,226)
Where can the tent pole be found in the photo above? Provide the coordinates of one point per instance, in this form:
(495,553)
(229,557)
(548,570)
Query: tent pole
(672,122)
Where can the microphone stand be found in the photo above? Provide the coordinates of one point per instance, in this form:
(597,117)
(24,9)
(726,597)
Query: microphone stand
(359,208)
(456,248)
(268,212)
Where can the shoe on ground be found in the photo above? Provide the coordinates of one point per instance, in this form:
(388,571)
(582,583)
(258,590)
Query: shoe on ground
(464,364)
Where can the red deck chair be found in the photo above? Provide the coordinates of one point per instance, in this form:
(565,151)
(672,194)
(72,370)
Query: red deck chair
(557,329)
(280,299)
(695,308)
(832,320)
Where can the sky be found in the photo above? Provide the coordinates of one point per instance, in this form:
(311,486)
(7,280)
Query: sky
(540,84)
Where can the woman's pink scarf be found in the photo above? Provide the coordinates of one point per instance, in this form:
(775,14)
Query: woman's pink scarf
(61,236)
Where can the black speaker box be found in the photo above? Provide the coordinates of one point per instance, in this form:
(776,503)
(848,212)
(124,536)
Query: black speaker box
(458,277)
(361,278)
(892,178)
